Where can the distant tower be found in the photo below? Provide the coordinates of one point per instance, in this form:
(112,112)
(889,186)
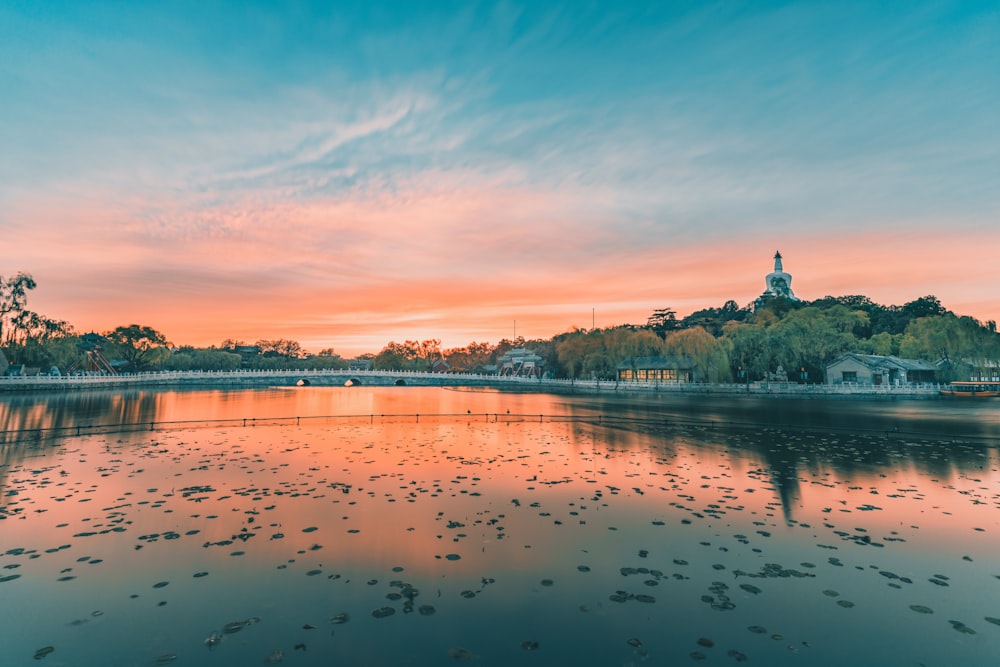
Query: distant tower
(778,282)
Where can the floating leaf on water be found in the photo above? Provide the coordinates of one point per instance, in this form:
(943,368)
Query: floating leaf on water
(547,582)
(313,573)
(384,612)
(161,584)
(453,557)
(736,655)
(340,619)
(698,655)
(962,627)
(583,568)
(757,630)
(847,604)
(426,610)
(213,639)
(750,588)
(459,654)
(706,642)
(165,659)
(10,577)
(991,619)
(199,575)
(831,594)
(44,651)
(233,627)
(921,609)
(634,642)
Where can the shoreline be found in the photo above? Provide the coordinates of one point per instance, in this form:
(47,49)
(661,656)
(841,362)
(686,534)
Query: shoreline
(326,378)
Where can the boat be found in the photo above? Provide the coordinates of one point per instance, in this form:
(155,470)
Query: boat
(975,389)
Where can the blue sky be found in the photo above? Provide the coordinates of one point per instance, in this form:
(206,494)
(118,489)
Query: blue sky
(382,171)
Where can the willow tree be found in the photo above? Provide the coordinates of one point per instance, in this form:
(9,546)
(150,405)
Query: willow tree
(959,343)
(709,355)
(810,338)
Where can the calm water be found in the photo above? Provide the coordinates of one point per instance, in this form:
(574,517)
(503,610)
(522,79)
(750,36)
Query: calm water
(651,531)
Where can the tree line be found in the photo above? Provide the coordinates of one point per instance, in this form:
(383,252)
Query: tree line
(730,343)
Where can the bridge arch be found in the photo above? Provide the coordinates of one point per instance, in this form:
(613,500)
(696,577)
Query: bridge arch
(399,383)
(352,382)
(303,382)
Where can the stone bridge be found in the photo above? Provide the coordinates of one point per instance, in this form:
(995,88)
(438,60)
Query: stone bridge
(248,378)
(341,378)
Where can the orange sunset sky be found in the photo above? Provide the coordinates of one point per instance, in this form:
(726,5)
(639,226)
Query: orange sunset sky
(352,174)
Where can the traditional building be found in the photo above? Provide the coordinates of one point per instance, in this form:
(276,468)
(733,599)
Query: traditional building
(656,369)
(853,368)
(520,363)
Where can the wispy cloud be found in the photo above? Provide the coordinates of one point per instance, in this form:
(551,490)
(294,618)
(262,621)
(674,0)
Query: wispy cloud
(440,168)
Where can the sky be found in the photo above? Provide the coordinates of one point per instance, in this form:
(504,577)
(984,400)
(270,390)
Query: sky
(345,174)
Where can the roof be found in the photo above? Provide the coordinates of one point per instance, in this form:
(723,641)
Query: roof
(656,363)
(519,354)
(876,361)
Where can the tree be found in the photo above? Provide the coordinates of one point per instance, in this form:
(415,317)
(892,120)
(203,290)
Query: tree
(925,306)
(398,357)
(470,358)
(709,355)
(663,320)
(809,338)
(958,343)
(189,358)
(13,302)
(280,347)
(232,344)
(139,346)
(714,319)
(39,341)
(752,350)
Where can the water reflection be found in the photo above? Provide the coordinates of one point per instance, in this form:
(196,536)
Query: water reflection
(613,537)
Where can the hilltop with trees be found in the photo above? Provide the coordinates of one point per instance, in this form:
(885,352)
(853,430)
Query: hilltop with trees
(723,344)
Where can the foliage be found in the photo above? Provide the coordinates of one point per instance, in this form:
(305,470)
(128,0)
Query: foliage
(13,302)
(408,356)
(709,355)
(713,320)
(202,359)
(27,337)
(662,321)
(597,353)
(141,347)
(469,359)
(959,344)
(280,347)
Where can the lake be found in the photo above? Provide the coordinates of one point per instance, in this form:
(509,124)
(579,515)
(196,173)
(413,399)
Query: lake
(426,526)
